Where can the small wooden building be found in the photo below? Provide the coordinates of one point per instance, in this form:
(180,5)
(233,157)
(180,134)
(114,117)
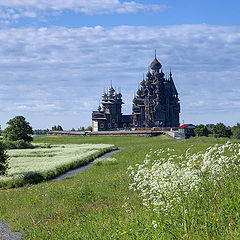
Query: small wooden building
(187,130)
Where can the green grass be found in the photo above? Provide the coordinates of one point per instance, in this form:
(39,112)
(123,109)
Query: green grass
(97,204)
(45,162)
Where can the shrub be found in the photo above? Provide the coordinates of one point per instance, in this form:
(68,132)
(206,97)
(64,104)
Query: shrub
(89,128)
(19,144)
(236,131)
(210,127)
(220,130)
(3,160)
(201,130)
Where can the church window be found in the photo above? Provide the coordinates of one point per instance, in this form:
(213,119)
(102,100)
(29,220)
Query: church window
(124,125)
(101,125)
(115,125)
(113,120)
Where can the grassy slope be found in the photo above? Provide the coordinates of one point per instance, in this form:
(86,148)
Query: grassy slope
(89,206)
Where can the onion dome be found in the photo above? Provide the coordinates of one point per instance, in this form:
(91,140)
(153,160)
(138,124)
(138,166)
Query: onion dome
(139,92)
(111,89)
(142,82)
(155,65)
(148,74)
(147,82)
(119,95)
(162,74)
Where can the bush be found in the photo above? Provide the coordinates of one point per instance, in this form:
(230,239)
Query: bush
(19,144)
(210,127)
(220,130)
(201,130)
(89,128)
(3,160)
(236,131)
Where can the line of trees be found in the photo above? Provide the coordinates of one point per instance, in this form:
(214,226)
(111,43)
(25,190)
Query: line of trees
(218,130)
(89,128)
(57,128)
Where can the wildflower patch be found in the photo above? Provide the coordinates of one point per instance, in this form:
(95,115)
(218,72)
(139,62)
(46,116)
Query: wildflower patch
(164,182)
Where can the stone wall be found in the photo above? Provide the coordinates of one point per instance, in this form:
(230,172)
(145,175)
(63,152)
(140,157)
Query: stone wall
(141,133)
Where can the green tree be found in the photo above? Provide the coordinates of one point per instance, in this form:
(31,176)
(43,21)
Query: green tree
(201,130)
(3,160)
(54,128)
(210,127)
(236,131)
(89,128)
(220,130)
(18,129)
(59,128)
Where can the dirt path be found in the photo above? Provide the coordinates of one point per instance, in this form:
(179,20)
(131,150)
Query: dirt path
(7,234)
(6,231)
(80,169)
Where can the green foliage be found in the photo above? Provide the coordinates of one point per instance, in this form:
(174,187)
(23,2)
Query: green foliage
(210,127)
(97,204)
(18,129)
(220,130)
(40,132)
(236,131)
(19,144)
(57,128)
(3,160)
(54,128)
(89,128)
(201,130)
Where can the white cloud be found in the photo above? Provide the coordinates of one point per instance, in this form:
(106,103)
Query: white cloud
(15,9)
(63,71)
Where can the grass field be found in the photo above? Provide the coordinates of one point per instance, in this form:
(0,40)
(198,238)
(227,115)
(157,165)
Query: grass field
(198,198)
(45,161)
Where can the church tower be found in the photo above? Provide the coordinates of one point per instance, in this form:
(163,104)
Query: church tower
(157,103)
(109,116)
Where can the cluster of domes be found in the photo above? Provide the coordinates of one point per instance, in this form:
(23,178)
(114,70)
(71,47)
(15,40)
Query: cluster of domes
(111,95)
(156,103)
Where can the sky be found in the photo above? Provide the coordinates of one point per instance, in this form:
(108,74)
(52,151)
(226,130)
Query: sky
(56,57)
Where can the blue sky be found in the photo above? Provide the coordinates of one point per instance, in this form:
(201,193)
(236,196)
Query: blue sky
(57,56)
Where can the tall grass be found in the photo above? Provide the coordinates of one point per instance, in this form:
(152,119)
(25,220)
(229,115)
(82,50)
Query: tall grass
(186,191)
(98,204)
(38,164)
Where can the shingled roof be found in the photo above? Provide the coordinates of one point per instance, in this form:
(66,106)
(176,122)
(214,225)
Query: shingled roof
(155,65)
(186,125)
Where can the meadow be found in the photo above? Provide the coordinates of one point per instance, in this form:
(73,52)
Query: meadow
(44,162)
(156,188)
